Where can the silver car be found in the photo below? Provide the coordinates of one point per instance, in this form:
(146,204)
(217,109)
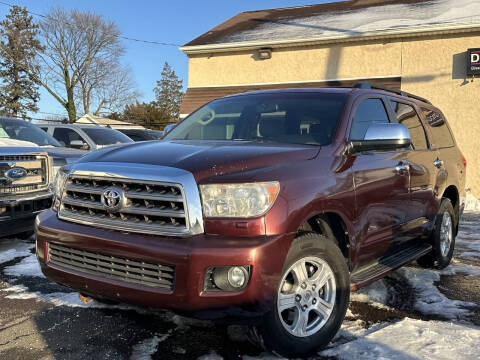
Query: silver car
(86,137)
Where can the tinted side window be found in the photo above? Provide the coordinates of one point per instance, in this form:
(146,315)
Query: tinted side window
(66,136)
(370,111)
(442,137)
(135,137)
(407,116)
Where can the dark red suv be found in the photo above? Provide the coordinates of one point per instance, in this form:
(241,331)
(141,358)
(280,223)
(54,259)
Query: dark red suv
(272,205)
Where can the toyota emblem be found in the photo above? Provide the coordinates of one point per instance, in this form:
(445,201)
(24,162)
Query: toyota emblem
(112,199)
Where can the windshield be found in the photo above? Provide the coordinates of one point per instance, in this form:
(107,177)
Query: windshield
(103,136)
(296,118)
(23,130)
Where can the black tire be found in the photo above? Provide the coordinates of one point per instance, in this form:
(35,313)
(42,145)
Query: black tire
(273,336)
(26,235)
(435,259)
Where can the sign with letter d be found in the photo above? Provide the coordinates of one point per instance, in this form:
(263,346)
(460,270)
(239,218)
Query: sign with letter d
(473,62)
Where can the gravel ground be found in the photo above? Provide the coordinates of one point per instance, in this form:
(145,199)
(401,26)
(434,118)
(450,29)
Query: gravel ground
(42,320)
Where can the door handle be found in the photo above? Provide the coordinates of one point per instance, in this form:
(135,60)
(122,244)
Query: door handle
(402,169)
(438,163)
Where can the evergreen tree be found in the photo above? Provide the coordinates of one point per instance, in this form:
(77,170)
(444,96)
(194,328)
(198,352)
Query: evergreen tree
(168,93)
(18,48)
(146,114)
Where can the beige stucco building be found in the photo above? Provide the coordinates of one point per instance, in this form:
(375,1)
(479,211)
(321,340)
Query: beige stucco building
(416,45)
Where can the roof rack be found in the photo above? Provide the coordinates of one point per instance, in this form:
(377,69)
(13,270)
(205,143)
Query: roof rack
(367,85)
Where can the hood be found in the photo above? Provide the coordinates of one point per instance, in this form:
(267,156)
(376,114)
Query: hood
(63,155)
(205,158)
(13,142)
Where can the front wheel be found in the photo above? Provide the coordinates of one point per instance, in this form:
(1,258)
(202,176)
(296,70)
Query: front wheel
(443,238)
(311,301)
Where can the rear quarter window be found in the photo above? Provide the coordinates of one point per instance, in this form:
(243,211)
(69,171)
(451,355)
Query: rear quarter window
(442,137)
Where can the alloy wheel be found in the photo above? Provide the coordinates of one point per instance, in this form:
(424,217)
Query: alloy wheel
(306,296)
(446,234)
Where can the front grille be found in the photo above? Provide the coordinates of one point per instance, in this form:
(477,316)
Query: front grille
(112,267)
(36,168)
(24,208)
(148,207)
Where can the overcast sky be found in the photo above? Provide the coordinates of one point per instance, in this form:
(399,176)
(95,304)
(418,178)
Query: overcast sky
(176,22)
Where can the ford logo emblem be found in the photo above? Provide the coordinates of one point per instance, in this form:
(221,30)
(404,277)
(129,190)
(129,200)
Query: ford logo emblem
(16,173)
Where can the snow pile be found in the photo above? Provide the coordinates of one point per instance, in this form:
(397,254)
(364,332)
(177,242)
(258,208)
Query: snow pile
(428,299)
(27,267)
(357,22)
(411,339)
(375,294)
(457,268)
(472,203)
(468,239)
(71,299)
(11,249)
(212,356)
(145,349)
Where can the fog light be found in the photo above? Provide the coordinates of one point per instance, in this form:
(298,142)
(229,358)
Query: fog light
(236,277)
(226,278)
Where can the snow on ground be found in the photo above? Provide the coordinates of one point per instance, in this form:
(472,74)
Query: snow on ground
(145,349)
(411,339)
(405,339)
(13,248)
(376,294)
(212,356)
(429,300)
(467,241)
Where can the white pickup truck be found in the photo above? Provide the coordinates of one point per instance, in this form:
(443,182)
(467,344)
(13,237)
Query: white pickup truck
(25,186)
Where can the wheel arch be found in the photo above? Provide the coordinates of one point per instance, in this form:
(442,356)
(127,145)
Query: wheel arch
(452,193)
(338,226)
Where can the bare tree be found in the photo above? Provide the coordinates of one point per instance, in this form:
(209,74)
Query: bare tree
(108,86)
(82,55)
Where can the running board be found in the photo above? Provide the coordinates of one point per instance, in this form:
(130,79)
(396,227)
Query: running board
(386,265)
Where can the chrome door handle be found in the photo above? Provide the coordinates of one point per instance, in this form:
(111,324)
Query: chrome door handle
(438,163)
(401,169)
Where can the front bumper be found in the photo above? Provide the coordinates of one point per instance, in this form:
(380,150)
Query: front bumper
(191,256)
(18,215)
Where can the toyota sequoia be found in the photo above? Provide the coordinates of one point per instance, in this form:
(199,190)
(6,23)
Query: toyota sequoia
(268,205)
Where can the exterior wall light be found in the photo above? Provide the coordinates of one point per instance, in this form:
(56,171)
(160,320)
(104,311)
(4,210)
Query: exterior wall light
(264,54)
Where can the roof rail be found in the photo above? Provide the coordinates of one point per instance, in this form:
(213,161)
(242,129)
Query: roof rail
(367,85)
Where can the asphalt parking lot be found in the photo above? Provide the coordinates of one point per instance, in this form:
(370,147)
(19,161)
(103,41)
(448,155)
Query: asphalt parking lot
(412,314)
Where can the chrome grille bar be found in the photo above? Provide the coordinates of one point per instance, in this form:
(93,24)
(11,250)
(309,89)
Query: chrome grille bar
(112,267)
(37,170)
(148,206)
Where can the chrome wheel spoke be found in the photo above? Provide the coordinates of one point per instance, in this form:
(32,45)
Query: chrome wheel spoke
(320,278)
(286,301)
(323,308)
(299,327)
(300,272)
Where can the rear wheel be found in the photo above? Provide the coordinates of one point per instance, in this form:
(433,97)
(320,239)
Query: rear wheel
(311,300)
(443,238)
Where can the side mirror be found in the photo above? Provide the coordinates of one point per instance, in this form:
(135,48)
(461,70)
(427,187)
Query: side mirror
(168,128)
(386,137)
(79,144)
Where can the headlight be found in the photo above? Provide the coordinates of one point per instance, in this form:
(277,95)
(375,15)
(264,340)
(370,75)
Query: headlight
(58,185)
(238,200)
